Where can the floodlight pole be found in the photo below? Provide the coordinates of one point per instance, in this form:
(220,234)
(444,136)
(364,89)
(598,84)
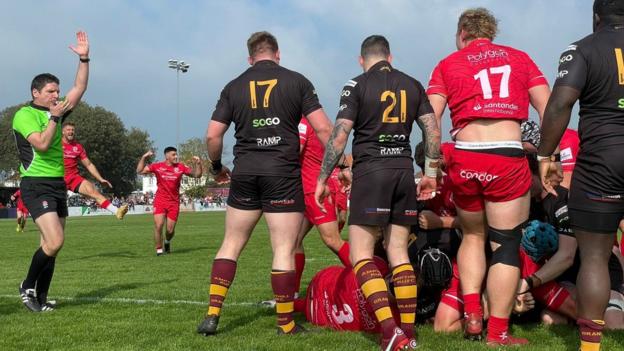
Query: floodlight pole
(178,65)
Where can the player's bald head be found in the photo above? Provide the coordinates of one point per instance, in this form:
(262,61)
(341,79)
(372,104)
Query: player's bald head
(375,46)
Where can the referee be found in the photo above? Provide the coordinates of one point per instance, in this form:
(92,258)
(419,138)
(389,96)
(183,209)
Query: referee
(37,129)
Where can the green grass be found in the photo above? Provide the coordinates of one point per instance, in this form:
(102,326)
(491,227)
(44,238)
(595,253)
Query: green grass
(106,265)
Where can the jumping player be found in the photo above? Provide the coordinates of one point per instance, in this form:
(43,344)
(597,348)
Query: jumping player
(266,103)
(167,199)
(381,105)
(37,130)
(74,152)
(591,70)
(22,211)
(488,88)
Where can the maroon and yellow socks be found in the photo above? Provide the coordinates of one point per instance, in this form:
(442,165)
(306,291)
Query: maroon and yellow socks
(223,271)
(376,292)
(405,292)
(497,328)
(299,267)
(472,304)
(343,254)
(284,291)
(591,333)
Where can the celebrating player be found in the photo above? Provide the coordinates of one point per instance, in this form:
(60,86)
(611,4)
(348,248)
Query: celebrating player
(265,103)
(74,152)
(591,70)
(22,211)
(37,129)
(381,105)
(167,199)
(488,88)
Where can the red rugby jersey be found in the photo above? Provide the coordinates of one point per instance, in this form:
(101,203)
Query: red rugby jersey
(569,147)
(485,81)
(72,153)
(312,152)
(168,179)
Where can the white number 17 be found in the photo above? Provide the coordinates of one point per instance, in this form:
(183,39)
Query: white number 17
(484,79)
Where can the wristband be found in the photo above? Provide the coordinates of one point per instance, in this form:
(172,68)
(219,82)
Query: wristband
(56,119)
(85,60)
(216,167)
(543,158)
(431,167)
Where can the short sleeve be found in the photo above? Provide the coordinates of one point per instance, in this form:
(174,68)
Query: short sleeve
(83,153)
(572,69)
(223,111)
(303,133)
(424,107)
(310,101)
(349,101)
(436,82)
(187,170)
(25,123)
(535,77)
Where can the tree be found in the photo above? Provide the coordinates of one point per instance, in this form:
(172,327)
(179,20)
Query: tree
(114,150)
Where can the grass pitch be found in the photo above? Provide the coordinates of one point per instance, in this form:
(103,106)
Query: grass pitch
(115,294)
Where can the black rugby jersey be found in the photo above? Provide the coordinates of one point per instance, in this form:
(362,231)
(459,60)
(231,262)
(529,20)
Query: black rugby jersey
(553,210)
(383,103)
(595,67)
(266,103)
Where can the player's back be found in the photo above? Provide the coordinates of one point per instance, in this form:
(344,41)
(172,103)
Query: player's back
(266,103)
(383,103)
(485,80)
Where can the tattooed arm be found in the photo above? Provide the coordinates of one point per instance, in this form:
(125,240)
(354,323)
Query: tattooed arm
(335,147)
(431,136)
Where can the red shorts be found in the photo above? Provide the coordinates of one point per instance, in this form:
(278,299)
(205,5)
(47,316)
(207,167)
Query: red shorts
(483,176)
(342,201)
(314,214)
(551,294)
(452,296)
(169,209)
(73,181)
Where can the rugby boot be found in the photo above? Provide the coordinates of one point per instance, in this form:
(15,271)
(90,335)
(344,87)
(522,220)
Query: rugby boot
(209,325)
(29,299)
(506,340)
(296,330)
(121,211)
(473,327)
(398,342)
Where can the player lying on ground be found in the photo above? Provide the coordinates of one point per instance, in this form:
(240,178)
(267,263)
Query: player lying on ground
(73,152)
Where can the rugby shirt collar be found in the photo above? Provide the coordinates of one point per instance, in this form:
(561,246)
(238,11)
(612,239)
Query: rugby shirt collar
(38,107)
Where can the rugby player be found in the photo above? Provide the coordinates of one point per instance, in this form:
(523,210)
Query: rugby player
(381,105)
(327,224)
(266,103)
(568,149)
(22,211)
(591,70)
(168,175)
(488,88)
(73,152)
(37,130)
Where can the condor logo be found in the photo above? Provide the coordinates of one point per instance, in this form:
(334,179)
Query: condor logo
(270,141)
(263,122)
(480,176)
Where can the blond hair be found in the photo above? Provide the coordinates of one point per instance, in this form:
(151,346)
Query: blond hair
(261,42)
(478,23)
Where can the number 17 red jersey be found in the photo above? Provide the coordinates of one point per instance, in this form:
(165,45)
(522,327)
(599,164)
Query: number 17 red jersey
(485,81)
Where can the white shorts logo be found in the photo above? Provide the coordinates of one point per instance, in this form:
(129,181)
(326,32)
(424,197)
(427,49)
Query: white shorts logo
(480,176)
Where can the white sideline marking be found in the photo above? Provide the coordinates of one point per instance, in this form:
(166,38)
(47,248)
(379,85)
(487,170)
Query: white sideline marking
(135,301)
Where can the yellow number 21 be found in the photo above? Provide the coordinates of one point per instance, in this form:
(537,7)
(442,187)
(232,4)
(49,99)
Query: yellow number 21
(386,118)
(252,91)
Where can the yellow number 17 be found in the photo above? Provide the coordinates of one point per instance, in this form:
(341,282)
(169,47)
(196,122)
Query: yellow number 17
(252,91)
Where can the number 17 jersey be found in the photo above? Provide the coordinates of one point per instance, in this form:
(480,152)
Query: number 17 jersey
(485,81)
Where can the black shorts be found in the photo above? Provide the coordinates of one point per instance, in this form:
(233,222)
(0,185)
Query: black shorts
(593,212)
(384,197)
(42,195)
(268,193)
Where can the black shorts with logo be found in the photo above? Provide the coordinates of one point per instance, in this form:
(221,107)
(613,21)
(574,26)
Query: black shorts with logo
(269,193)
(383,197)
(591,211)
(44,194)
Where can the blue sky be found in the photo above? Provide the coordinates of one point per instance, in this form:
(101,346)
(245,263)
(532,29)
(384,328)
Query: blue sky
(131,42)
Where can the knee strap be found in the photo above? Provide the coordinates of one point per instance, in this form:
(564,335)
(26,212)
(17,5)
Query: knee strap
(509,241)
